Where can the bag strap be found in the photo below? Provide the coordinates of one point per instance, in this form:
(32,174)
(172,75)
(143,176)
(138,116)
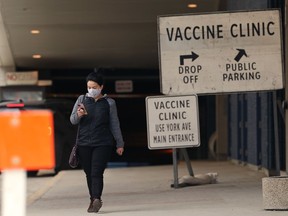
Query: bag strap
(83,98)
(76,143)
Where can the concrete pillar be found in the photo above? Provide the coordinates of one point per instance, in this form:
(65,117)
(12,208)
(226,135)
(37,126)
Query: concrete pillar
(275,196)
(286,81)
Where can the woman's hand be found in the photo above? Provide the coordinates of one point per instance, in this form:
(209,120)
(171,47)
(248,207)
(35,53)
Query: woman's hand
(81,110)
(120,151)
(80,113)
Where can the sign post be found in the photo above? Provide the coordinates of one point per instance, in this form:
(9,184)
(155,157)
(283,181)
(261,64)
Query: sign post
(26,143)
(223,52)
(172,122)
(220,52)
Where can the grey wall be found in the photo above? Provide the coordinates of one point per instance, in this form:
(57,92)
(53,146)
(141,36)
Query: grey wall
(250,116)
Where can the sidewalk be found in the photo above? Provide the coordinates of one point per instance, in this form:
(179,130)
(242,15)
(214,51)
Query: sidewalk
(138,191)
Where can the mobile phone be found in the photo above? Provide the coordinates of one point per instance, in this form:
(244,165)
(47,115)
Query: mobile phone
(81,106)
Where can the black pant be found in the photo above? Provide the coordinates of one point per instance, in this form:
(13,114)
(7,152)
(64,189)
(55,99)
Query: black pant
(94,161)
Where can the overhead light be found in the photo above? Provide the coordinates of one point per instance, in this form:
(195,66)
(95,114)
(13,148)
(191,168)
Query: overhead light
(36,56)
(35,31)
(192,5)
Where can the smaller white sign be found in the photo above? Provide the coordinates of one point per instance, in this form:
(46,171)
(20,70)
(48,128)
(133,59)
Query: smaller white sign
(172,122)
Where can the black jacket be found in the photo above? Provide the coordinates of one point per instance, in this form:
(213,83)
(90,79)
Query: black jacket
(94,128)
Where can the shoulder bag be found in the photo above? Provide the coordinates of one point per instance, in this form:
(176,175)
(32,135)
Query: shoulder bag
(74,157)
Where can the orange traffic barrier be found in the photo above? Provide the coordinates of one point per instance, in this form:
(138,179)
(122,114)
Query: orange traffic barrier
(27,140)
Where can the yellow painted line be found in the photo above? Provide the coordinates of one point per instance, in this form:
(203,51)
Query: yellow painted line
(40,192)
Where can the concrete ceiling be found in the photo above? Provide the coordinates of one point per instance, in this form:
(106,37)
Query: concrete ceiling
(87,33)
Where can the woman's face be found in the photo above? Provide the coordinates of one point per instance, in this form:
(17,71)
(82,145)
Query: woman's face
(93,85)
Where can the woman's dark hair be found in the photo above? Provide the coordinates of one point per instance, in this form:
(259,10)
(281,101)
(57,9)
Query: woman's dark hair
(96,77)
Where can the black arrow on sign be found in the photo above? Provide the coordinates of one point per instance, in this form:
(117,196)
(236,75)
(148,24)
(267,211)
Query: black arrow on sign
(240,54)
(193,56)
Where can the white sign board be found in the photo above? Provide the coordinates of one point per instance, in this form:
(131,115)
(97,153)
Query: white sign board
(220,52)
(124,86)
(172,122)
(18,78)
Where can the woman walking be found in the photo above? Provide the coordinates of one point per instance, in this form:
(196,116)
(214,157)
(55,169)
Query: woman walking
(99,130)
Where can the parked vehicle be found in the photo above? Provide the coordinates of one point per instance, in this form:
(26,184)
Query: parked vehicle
(64,131)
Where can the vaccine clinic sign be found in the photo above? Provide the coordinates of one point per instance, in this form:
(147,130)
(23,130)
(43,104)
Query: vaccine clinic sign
(172,122)
(220,52)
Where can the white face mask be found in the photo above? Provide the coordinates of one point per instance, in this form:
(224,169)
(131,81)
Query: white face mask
(94,92)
